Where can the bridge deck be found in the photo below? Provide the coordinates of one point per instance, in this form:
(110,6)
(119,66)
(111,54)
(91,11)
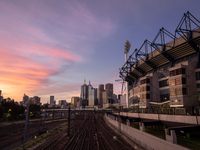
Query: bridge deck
(163,117)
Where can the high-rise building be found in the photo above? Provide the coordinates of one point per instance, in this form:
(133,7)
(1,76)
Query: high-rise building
(100,95)
(92,95)
(75,101)
(62,103)
(104,97)
(109,92)
(95,97)
(35,100)
(52,101)
(84,94)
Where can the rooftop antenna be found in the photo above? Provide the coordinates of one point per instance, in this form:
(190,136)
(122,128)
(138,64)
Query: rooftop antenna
(84,81)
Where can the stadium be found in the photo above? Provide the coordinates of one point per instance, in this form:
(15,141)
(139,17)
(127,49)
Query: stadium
(166,71)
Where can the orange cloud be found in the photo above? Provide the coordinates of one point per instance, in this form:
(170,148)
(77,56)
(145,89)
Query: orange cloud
(20,73)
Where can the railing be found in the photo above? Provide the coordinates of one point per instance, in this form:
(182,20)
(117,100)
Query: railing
(170,111)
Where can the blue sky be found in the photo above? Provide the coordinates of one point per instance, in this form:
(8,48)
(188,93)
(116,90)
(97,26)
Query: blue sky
(51,46)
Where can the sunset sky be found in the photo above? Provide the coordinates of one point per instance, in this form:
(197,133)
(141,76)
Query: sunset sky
(48,47)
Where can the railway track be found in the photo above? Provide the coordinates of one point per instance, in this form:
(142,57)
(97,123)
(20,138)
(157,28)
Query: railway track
(95,134)
(88,132)
(11,136)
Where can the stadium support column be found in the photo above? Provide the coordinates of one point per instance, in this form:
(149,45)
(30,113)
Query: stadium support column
(127,47)
(170,135)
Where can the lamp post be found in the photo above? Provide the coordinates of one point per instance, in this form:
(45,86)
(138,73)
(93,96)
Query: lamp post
(127,47)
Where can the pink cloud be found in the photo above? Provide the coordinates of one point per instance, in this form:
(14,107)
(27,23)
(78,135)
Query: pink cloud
(40,50)
(21,71)
(40,44)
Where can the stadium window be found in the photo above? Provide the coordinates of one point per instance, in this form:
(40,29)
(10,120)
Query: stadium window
(147,96)
(145,81)
(198,85)
(183,80)
(184,91)
(163,83)
(197,75)
(172,73)
(177,72)
(148,88)
(164,97)
(183,71)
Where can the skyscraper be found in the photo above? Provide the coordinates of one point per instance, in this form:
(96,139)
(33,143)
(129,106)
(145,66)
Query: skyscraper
(100,95)
(52,101)
(109,92)
(84,94)
(35,100)
(75,101)
(92,95)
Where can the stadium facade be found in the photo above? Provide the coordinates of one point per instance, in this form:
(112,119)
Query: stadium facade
(166,70)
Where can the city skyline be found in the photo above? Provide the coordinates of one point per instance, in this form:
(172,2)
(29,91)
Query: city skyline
(48,48)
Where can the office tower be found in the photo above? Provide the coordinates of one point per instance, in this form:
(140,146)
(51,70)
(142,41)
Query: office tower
(100,95)
(95,96)
(92,95)
(104,97)
(52,101)
(109,92)
(84,94)
(62,103)
(75,101)
(35,100)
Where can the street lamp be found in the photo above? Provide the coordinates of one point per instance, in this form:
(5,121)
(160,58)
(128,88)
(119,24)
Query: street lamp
(127,47)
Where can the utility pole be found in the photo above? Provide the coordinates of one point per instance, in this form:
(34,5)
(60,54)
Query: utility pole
(27,104)
(69,110)
(127,47)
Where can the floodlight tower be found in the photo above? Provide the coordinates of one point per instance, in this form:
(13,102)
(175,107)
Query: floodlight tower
(127,47)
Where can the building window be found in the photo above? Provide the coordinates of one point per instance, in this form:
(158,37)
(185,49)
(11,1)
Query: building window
(178,91)
(198,85)
(148,88)
(197,75)
(183,80)
(184,91)
(172,73)
(177,81)
(177,72)
(147,96)
(163,83)
(144,88)
(144,81)
(164,97)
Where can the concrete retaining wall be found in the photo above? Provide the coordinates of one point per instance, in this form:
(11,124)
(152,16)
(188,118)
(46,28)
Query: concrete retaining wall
(146,140)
